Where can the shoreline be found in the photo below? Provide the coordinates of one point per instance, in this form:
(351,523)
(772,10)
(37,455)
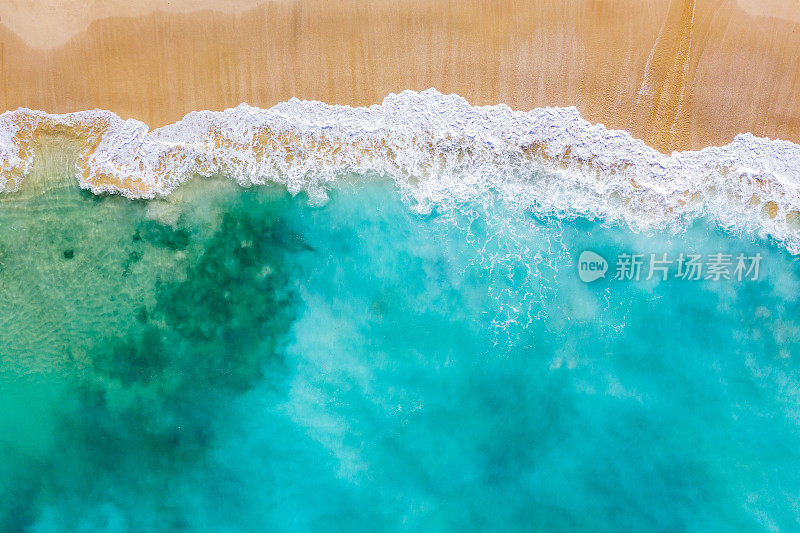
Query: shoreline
(671,74)
(439,150)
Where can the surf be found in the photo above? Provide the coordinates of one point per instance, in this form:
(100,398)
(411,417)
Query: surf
(440,151)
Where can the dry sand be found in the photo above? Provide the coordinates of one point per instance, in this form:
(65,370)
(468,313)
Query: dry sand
(678,74)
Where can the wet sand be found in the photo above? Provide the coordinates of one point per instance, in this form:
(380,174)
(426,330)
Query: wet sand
(680,74)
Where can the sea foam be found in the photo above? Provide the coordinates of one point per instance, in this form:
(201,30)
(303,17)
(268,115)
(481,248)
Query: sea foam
(440,151)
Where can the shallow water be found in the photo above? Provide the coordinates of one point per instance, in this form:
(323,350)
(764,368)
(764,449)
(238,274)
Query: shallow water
(234,359)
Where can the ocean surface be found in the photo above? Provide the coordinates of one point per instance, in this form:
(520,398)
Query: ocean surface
(441,344)
(236,359)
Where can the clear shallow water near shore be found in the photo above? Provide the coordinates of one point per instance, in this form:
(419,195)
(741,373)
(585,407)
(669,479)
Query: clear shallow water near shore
(234,359)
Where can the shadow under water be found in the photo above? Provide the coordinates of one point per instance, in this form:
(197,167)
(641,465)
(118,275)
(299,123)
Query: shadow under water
(235,359)
(206,317)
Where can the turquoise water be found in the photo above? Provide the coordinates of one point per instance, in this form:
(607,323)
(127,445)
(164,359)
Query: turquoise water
(237,360)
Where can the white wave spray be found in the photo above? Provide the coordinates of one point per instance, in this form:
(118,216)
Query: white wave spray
(440,151)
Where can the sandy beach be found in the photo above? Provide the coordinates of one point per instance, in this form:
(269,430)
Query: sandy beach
(399,265)
(679,75)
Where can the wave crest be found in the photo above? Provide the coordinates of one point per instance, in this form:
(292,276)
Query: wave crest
(440,151)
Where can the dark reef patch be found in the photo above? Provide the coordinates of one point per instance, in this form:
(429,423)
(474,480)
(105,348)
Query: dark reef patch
(214,331)
(150,399)
(163,235)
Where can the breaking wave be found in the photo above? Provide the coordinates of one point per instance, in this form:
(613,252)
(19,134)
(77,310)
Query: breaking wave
(440,151)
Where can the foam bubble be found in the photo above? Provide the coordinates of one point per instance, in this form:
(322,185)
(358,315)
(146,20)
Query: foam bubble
(441,152)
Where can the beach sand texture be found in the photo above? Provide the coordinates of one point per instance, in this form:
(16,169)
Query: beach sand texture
(677,74)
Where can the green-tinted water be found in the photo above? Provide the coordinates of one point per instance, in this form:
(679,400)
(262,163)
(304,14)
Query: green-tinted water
(234,359)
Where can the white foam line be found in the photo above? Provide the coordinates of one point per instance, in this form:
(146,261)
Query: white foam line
(440,151)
